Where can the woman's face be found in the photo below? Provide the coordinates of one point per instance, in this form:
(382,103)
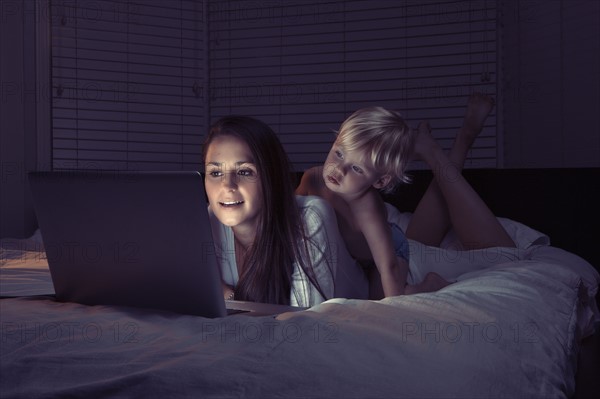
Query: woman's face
(232,183)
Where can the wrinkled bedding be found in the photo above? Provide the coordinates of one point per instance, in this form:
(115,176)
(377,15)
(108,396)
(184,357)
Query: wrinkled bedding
(510,328)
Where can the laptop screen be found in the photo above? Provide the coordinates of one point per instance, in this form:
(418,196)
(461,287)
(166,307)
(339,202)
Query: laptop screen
(129,238)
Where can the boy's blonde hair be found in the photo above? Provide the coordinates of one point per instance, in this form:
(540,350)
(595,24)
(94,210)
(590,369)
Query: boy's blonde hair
(384,137)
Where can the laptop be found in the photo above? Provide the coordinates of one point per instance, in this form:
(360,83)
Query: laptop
(140,239)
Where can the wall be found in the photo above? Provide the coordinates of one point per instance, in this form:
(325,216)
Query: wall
(551,78)
(551,93)
(24,110)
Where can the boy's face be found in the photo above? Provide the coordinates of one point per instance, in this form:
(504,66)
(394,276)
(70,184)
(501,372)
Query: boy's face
(350,173)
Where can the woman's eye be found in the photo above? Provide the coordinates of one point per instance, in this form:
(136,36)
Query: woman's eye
(215,173)
(246,172)
(339,154)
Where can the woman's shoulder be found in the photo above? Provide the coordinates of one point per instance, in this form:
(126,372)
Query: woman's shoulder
(312,203)
(316,213)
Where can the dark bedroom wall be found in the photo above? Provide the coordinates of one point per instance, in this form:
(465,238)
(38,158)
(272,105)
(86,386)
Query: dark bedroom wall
(24,110)
(551,83)
(550,92)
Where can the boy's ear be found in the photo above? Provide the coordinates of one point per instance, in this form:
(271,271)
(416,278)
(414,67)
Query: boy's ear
(382,181)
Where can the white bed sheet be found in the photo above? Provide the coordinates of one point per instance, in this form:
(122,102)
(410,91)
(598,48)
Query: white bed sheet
(508,330)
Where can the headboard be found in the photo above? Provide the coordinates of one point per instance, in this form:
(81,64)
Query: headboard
(562,203)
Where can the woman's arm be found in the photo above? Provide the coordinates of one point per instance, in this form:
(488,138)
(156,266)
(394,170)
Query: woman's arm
(336,272)
(304,292)
(228,292)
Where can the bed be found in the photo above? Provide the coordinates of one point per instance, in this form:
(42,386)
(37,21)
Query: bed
(505,329)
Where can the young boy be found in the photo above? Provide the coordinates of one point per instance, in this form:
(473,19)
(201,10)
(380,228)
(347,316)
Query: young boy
(371,152)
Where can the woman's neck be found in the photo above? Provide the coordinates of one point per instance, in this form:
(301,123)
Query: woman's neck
(244,236)
(243,239)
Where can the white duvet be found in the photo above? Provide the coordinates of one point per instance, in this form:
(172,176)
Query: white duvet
(504,329)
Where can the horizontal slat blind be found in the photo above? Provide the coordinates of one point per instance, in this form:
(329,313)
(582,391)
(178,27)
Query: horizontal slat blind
(304,66)
(128,81)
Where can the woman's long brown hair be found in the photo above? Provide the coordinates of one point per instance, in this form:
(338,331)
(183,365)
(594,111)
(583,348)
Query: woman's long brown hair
(280,239)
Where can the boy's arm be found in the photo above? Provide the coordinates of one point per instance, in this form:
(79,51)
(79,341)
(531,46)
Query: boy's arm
(371,216)
(308,182)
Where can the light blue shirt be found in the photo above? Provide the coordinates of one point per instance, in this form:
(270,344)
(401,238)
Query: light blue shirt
(336,272)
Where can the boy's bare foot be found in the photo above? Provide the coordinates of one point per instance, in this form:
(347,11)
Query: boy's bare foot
(425,144)
(479,107)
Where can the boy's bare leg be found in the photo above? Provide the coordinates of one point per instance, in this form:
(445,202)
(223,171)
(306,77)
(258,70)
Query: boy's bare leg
(431,283)
(474,223)
(431,220)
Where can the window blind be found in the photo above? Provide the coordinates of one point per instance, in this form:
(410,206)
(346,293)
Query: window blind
(128,84)
(304,66)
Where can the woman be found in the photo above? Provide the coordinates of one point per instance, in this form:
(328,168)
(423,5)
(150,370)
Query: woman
(272,246)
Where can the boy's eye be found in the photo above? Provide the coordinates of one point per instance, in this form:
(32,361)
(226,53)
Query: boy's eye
(339,154)
(357,169)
